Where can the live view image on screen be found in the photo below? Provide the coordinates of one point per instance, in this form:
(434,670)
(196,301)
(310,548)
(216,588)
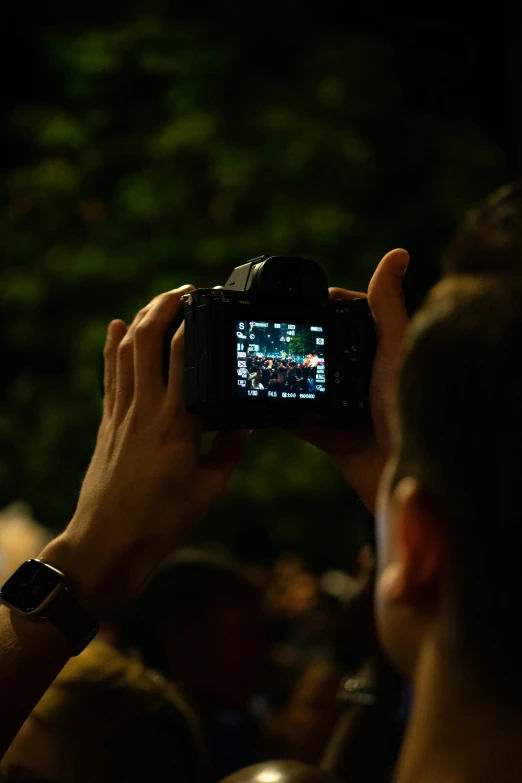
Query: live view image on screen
(277,360)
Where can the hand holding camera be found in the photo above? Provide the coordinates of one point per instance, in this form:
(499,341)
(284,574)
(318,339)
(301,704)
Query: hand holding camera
(360,455)
(271,349)
(276,347)
(305,356)
(148,482)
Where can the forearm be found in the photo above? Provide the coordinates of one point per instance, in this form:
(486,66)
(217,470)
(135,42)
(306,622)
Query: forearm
(148,484)
(32,652)
(31,656)
(363,475)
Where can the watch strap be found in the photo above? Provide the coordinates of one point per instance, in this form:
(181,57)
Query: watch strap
(77,625)
(74,622)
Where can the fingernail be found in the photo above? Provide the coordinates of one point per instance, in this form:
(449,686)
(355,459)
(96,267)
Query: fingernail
(181,289)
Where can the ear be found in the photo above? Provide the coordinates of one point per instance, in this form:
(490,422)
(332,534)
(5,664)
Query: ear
(414,576)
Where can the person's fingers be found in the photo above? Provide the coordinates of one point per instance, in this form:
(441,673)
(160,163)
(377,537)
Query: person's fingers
(386,297)
(140,315)
(115,334)
(124,375)
(149,339)
(342,293)
(217,464)
(176,367)
(125,365)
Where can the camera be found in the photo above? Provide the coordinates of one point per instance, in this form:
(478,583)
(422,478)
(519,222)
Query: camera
(271,349)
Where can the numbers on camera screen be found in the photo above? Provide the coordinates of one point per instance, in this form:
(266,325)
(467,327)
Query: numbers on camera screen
(280,360)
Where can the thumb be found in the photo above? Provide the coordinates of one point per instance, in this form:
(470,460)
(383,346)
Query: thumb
(386,297)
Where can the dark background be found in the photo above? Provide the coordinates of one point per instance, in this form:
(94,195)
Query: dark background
(148,147)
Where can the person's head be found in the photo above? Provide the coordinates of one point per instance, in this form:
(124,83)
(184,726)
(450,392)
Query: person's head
(450,519)
(308,718)
(106,718)
(199,621)
(282,374)
(490,239)
(281,772)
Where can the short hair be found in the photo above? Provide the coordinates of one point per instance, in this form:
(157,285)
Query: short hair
(281,368)
(459,417)
(114,719)
(181,593)
(489,241)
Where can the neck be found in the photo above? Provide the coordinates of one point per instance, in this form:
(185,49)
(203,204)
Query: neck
(457,733)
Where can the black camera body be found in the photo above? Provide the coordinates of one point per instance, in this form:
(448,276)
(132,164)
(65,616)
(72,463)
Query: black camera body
(271,349)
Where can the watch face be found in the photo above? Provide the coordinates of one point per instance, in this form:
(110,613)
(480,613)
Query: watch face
(30,586)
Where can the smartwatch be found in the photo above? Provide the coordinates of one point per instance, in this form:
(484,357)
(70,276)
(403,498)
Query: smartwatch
(39,591)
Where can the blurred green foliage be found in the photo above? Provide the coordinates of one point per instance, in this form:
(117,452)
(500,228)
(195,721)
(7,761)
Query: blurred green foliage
(169,155)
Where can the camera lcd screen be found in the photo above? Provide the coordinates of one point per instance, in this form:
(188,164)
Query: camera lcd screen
(280,361)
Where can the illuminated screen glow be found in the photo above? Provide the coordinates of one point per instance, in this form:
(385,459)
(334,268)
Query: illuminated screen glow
(280,361)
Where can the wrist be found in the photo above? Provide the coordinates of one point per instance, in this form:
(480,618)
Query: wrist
(81,576)
(360,460)
(100,580)
(364,480)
